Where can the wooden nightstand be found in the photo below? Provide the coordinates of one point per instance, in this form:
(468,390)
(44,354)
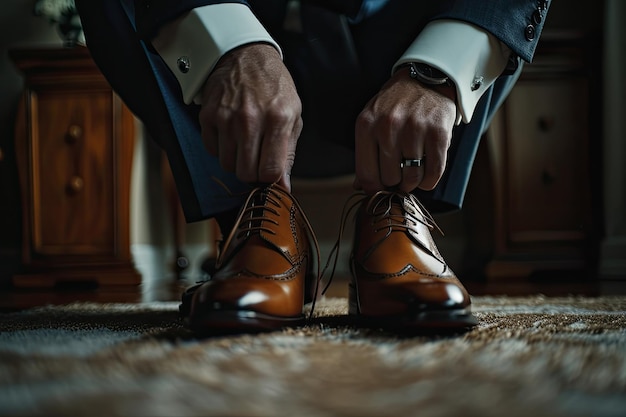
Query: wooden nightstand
(74,145)
(544,146)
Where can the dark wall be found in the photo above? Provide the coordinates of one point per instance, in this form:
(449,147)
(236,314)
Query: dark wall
(10,210)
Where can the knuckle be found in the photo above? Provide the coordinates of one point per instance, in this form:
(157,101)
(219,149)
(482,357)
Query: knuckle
(365,120)
(281,115)
(393,119)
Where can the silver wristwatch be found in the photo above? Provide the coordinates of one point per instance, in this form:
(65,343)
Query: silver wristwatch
(427,74)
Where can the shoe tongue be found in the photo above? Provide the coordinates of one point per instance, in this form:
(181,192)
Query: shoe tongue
(258,221)
(391,208)
(402,210)
(252,220)
(420,231)
(256,216)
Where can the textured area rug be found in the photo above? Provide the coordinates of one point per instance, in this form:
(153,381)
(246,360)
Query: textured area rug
(530,356)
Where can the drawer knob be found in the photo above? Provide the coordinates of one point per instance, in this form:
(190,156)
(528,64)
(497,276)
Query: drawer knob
(74,132)
(75,185)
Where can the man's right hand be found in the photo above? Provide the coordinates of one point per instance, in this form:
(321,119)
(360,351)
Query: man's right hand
(251,115)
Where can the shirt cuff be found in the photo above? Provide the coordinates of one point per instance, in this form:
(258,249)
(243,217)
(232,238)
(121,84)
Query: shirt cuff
(192,45)
(471,57)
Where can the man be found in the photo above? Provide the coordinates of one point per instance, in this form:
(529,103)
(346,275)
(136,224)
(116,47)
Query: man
(228,88)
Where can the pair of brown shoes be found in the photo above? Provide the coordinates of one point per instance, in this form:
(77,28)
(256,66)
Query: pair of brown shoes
(266,271)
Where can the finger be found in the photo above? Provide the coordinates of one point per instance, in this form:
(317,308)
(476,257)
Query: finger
(247,135)
(412,145)
(277,152)
(227,147)
(274,156)
(285,179)
(291,157)
(217,135)
(436,149)
(390,175)
(389,157)
(366,156)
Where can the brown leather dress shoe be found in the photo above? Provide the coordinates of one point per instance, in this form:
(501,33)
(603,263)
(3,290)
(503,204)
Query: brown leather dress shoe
(264,273)
(399,278)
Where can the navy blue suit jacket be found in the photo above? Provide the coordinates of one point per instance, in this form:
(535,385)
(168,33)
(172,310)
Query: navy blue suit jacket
(118,33)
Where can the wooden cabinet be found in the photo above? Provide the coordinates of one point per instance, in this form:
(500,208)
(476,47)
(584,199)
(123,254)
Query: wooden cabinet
(544,147)
(74,143)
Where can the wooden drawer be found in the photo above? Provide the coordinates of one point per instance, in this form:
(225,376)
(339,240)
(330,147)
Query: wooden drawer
(74,144)
(543,149)
(547,161)
(72,154)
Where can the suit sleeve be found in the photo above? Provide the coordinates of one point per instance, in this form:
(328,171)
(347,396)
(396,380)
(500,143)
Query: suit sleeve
(150,15)
(486,37)
(192,44)
(516,23)
(443,44)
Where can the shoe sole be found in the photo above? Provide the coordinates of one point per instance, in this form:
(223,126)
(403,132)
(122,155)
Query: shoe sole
(240,321)
(417,320)
(430,321)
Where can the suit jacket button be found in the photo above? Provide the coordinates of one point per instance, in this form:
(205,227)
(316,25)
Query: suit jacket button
(529,32)
(537,17)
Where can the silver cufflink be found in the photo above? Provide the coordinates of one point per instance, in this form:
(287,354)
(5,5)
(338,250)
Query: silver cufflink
(478,81)
(183,64)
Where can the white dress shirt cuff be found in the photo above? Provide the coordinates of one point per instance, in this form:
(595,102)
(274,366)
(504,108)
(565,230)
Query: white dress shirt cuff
(471,57)
(192,45)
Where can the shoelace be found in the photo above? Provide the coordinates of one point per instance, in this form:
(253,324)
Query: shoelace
(252,219)
(379,205)
(263,191)
(383,203)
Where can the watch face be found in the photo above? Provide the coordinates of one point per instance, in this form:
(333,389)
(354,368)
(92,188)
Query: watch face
(430,72)
(427,74)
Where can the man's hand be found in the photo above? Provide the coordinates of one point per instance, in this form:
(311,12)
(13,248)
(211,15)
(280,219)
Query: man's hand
(405,120)
(251,115)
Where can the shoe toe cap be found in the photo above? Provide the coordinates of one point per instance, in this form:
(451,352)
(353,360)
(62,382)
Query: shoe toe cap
(248,294)
(420,295)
